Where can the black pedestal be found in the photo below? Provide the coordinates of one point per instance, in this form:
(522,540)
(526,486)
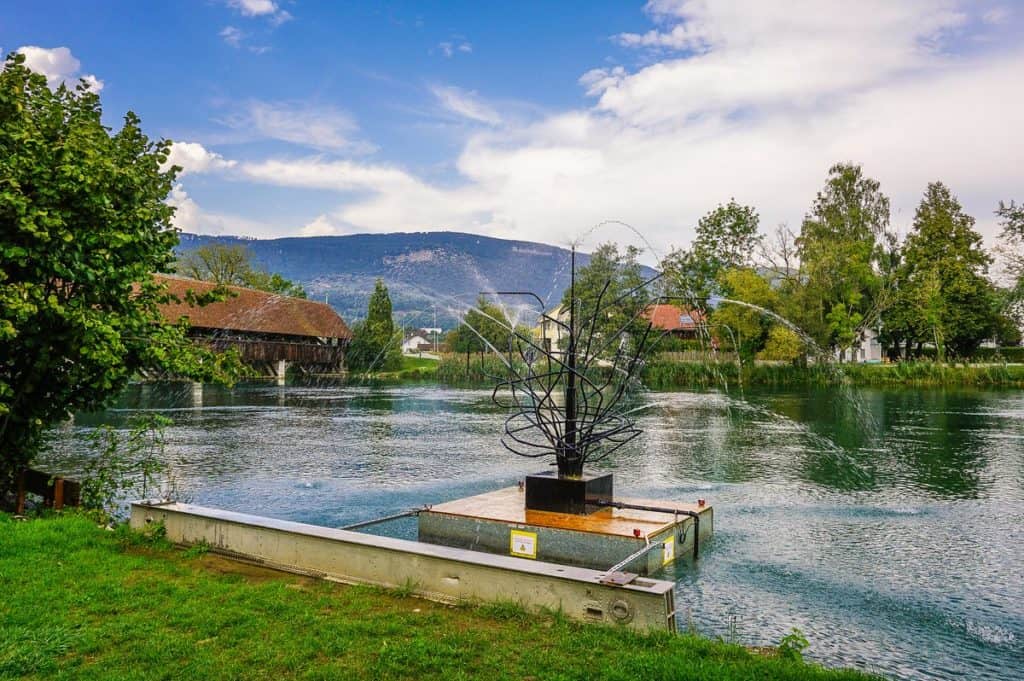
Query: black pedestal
(548,492)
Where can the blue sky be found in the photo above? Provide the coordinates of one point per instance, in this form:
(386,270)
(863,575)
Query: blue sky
(538,120)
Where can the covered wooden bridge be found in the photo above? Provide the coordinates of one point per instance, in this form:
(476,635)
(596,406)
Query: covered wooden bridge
(270,331)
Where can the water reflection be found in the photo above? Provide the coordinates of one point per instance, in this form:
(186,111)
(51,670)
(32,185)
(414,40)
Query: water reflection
(886,524)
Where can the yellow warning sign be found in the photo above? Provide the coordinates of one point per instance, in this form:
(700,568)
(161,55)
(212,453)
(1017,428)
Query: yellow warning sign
(669,553)
(523,544)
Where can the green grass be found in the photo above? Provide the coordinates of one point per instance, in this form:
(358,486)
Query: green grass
(83,603)
(411,362)
(412,369)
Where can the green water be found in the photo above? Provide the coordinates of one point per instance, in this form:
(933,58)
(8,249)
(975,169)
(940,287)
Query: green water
(887,525)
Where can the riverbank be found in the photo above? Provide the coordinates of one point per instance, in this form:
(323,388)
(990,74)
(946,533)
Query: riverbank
(413,369)
(82,602)
(666,375)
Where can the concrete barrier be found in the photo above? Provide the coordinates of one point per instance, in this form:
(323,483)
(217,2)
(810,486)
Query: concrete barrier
(434,572)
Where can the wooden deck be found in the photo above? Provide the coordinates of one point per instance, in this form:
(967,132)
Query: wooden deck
(507,505)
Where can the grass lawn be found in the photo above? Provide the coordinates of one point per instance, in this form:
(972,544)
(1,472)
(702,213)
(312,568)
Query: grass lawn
(414,362)
(80,602)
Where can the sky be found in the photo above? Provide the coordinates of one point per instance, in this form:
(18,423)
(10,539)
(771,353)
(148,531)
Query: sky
(539,121)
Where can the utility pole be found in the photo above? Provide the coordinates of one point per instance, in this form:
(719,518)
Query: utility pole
(435,328)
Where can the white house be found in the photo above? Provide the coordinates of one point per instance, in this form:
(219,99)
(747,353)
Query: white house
(866,349)
(416,343)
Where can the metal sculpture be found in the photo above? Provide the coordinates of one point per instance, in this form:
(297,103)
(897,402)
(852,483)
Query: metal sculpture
(569,405)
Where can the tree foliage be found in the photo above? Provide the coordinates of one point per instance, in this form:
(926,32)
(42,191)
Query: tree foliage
(783,345)
(1011,248)
(376,342)
(741,328)
(842,245)
(619,276)
(83,225)
(232,264)
(726,238)
(484,328)
(944,295)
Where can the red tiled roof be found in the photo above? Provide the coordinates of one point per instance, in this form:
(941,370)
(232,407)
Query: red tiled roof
(673,318)
(253,311)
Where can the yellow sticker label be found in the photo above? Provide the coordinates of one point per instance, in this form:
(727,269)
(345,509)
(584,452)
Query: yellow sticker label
(669,554)
(523,544)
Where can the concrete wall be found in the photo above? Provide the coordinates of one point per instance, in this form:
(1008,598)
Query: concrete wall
(435,572)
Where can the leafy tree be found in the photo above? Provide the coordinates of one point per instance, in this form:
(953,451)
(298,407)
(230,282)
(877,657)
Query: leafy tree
(841,247)
(376,342)
(726,238)
(83,224)
(488,322)
(945,297)
(620,277)
(741,328)
(273,282)
(782,345)
(1011,247)
(1006,330)
(232,264)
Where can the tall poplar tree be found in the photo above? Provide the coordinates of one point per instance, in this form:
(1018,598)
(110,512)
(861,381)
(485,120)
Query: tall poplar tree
(376,343)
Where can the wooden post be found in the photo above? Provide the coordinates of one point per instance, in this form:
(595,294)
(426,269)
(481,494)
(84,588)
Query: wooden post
(19,505)
(58,494)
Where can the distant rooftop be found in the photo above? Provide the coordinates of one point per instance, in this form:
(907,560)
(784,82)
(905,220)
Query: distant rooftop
(673,318)
(253,311)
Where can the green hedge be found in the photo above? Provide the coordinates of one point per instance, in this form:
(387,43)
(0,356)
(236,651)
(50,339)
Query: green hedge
(474,369)
(1014,355)
(667,375)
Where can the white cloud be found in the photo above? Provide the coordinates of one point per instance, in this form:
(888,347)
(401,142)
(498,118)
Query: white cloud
(318,127)
(194,158)
(188,216)
(996,16)
(232,36)
(315,173)
(465,104)
(785,53)
(59,66)
(450,48)
(768,101)
(598,80)
(261,8)
(760,114)
(320,226)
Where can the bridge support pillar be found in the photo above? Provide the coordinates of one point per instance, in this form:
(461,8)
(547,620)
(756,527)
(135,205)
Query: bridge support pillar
(280,369)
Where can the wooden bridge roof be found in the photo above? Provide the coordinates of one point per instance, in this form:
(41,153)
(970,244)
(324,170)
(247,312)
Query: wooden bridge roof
(253,311)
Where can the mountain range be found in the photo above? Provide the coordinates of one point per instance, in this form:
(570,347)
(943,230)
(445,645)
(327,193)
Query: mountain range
(420,269)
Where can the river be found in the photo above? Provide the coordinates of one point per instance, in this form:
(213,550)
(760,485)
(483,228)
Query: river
(887,525)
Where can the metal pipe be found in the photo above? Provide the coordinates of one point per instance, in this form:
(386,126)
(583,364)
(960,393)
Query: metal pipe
(659,509)
(633,556)
(377,521)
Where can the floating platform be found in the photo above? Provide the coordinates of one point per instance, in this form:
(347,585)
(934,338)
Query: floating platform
(499,522)
(439,573)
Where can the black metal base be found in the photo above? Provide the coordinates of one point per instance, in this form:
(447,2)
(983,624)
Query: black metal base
(548,492)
